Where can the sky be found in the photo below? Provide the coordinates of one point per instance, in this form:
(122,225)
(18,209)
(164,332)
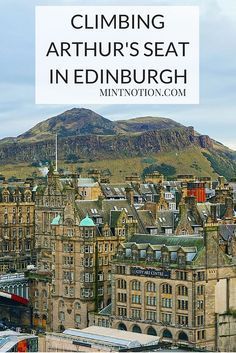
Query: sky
(215,115)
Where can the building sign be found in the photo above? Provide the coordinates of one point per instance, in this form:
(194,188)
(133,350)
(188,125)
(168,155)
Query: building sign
(149,272)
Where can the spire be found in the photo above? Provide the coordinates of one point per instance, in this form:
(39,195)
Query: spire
(56,154)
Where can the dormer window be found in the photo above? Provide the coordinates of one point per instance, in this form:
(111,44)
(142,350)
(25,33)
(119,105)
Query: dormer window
(142,254)
(182,259)
(128,252)
(165,257)
(135,254)
(149,257)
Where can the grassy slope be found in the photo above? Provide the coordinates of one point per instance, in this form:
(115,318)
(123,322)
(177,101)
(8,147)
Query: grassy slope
(189,161)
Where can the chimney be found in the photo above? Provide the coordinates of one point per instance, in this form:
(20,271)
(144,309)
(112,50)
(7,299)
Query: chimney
(100,201)
(130,195)
(229,205)
(191,202)
(214,213)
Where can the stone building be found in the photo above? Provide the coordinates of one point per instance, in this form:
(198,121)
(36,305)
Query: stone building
(172,287)
(76,241)
(17,227)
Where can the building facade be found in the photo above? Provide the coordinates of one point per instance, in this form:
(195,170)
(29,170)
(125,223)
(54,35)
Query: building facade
(172,287)
(17,227)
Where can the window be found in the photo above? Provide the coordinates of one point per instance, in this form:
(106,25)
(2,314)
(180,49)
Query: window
(77,306)
(68,247)
(182,275)
(78,318)
(88,249)
(100,291)
(200,304)
(68,260)
(201,335)
(181,259)
(61,316)
(166,318)
(183,304)
(68,276)
(136,285)
(5,219)
(88,277)
(182,320)
(100,248)
(121,283)
(87,262)
(166,288)
(88,233)
(136,299)
(166,302)
(122,311)
(136,314)
(122,297)
(100,276)
(120,270)
(87,293)
(5,247)
(200,290)
(151,315)
(200,320)
(151,301)
(151,287)
(165,257)
(70,232)
(44,293)
(201,276)
(182,290)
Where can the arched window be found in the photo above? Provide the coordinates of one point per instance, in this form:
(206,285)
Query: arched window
(77,306)
(167,334)
(183,336)
(136,285)
(44,293)
(182,290)
(61,316)
(122,326)
(61,304)
(166,288)
(136,329)
(151,331)
(150,287)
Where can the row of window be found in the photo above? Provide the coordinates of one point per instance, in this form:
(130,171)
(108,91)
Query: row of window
(61,317)
(165,318)
(22,246)
(152,287)
(14,219)
(158,255)
(19,198)
(152,301)
(16,231)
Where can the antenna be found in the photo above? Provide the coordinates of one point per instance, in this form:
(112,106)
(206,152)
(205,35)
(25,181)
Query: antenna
(56,154)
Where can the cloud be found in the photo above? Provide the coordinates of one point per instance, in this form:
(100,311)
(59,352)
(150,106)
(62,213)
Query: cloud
(214,116)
